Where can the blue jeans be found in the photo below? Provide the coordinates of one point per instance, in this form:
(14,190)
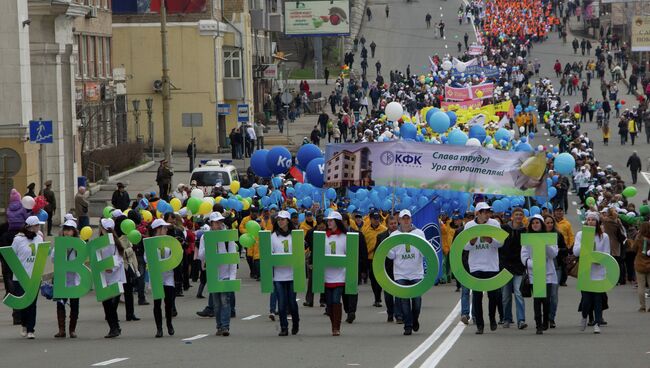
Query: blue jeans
(334,295)
(222,309)
(286,302)
(410,307)
(393,306)
(553,299)
(506,299)
(464,301)
(273,302)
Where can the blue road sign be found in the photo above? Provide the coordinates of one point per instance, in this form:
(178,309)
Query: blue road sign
(41,131)
(223,109)
(242,113)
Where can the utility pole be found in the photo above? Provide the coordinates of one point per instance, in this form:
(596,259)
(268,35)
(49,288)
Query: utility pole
(166,96)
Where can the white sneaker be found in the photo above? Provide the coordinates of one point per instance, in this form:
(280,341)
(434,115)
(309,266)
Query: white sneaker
(596,329)
(583,324)
(23,332)
(31,336)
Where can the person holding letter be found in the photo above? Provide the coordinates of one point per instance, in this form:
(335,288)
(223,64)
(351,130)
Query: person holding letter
(335,244)
(281,243)
(69,228)
(159,228)
(115,275)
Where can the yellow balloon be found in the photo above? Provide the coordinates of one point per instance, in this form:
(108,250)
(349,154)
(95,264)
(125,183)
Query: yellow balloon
(85,233)
(535,166)
(146,216)
(176,204)
(159,214)
(234,186)
(218,199)
(479,94)
(246,205)
(126,213)
(205,208)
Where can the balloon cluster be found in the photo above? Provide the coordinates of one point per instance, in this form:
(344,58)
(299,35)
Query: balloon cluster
(278,160)
(35,206)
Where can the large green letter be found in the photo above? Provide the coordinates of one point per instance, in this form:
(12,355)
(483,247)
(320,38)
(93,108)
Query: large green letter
(589,256)
(538,242)
(102,291)
(295,260)
(213,260)
(349,261)
(456,259)
(393,288)
(29,283)
(153,247)
(63,266)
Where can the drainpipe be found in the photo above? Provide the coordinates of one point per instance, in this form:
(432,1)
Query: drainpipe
(216,68)
(241,49)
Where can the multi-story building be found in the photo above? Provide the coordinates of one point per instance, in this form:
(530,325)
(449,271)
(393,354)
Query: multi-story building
(347,168)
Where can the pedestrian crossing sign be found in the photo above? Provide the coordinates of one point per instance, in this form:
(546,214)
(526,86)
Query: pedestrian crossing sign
(41,131)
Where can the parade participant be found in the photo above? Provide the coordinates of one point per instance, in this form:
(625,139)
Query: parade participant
(642,263)
(222,301)
(130,270)
(536,225)
(25,245)
(509,258)
(408,269)
(370,232)
(281,243)
(549,226)
(563,226)
(393,304)
(113,275)
(592,302)
(321,225)
(159,228)
(69,228)
(350,301)
(483,262)
(335,277)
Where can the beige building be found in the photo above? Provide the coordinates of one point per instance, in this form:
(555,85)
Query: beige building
(348,168)
(210,59)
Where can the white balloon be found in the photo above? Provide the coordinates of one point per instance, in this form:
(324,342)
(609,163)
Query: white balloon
(473,142)
(209,199)
(28,202)
(446,65)
(461,67)
(197,193)
(394,111)
(540,148)
(522,130)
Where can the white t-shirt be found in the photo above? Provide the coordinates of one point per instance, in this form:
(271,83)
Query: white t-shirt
(408,261)
(483,256)
(25,250)
(335,246)
(118,275)
(71,278)
(226,271)
(602,245)
(281,245)
(527,259)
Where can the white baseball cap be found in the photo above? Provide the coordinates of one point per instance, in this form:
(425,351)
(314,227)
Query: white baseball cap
(69,223)
(69,216)
(537,216)
(108,224)
(117,213)
(216,216)
(403,213)
(158,223)
(334,215)
(285,215)
(33,220)
(482,206)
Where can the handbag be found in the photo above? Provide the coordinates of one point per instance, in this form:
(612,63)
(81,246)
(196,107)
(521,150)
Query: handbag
(572,262)
(525,288)
(47,290)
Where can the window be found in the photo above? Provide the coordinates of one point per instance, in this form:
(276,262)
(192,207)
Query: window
(100,57)
(83,55)
(232,64)
(92,71)
(107,57)
(77,56)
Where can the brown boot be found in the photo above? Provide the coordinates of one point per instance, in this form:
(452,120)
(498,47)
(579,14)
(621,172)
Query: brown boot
(73,327)
(336,312)
(60,317)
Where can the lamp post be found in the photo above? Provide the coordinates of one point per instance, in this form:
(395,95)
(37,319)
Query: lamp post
(136,115)
(149,102)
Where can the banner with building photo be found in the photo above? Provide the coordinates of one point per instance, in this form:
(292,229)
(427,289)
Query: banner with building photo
(434,166)
(317,18)
(153,6)
(640,33)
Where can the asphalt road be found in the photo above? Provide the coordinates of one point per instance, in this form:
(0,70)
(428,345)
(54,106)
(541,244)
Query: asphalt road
(370,341)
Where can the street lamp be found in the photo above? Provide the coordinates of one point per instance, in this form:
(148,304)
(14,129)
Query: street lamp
(136,115)
(149,102)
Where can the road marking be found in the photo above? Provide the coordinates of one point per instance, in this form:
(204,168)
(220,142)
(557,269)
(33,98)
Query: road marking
(574,203)
(297,299)
(107,362)
(646,176)
(199,336)
(354,364)
(382,312)
(252,316)
(442,350)
(417,353)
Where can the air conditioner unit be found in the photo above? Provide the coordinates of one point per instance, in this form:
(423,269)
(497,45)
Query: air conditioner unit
(92,13)
(275,22)
(157,86)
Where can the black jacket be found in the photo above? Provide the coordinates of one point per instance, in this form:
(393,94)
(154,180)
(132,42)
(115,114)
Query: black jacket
(121,200)
(510,252)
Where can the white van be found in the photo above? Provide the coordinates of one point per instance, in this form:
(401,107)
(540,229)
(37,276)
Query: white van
(211,172)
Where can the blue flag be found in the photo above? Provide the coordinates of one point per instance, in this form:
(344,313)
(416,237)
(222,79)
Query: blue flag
(426,219)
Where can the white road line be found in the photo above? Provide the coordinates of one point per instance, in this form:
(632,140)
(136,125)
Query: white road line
(252,316)
(200,336)
(107,362)
(574,203)
(442,350)
(354,364)
(297,299)
(646,176)
(417,353)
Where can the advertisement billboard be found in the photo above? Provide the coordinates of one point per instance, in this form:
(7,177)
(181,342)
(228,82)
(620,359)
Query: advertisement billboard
(641,33)
(317,18)
(153,6)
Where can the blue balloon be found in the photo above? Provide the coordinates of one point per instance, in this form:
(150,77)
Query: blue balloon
(439,122)
(258,163)
(502,134)
(526,212)
(315,172)
(266,201)
(431,111)
(477,131)
(457,137)
(555,179)
(291,192)
(351,208)
(406,202)
(330,194)
(552,192)
(42,216)
(524,147)
(535,210)
(361,194)
(262,190)
(422,201)
(277,182)
(305,154)
(408,131)
(564,163)
(498,206)
(292,210)
(143,204)
(278,160)
(452,118)
(387,204)
(556,149)
(307,202)
(301,217)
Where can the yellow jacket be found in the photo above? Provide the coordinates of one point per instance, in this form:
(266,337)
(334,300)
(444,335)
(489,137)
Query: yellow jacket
(447,236)
(305,226)
(370,234)
(564,227)
(631,126)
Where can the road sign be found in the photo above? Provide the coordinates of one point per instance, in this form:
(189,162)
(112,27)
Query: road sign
(242,113)
(286,98)
(41,131)
(223,109)
(192,119)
